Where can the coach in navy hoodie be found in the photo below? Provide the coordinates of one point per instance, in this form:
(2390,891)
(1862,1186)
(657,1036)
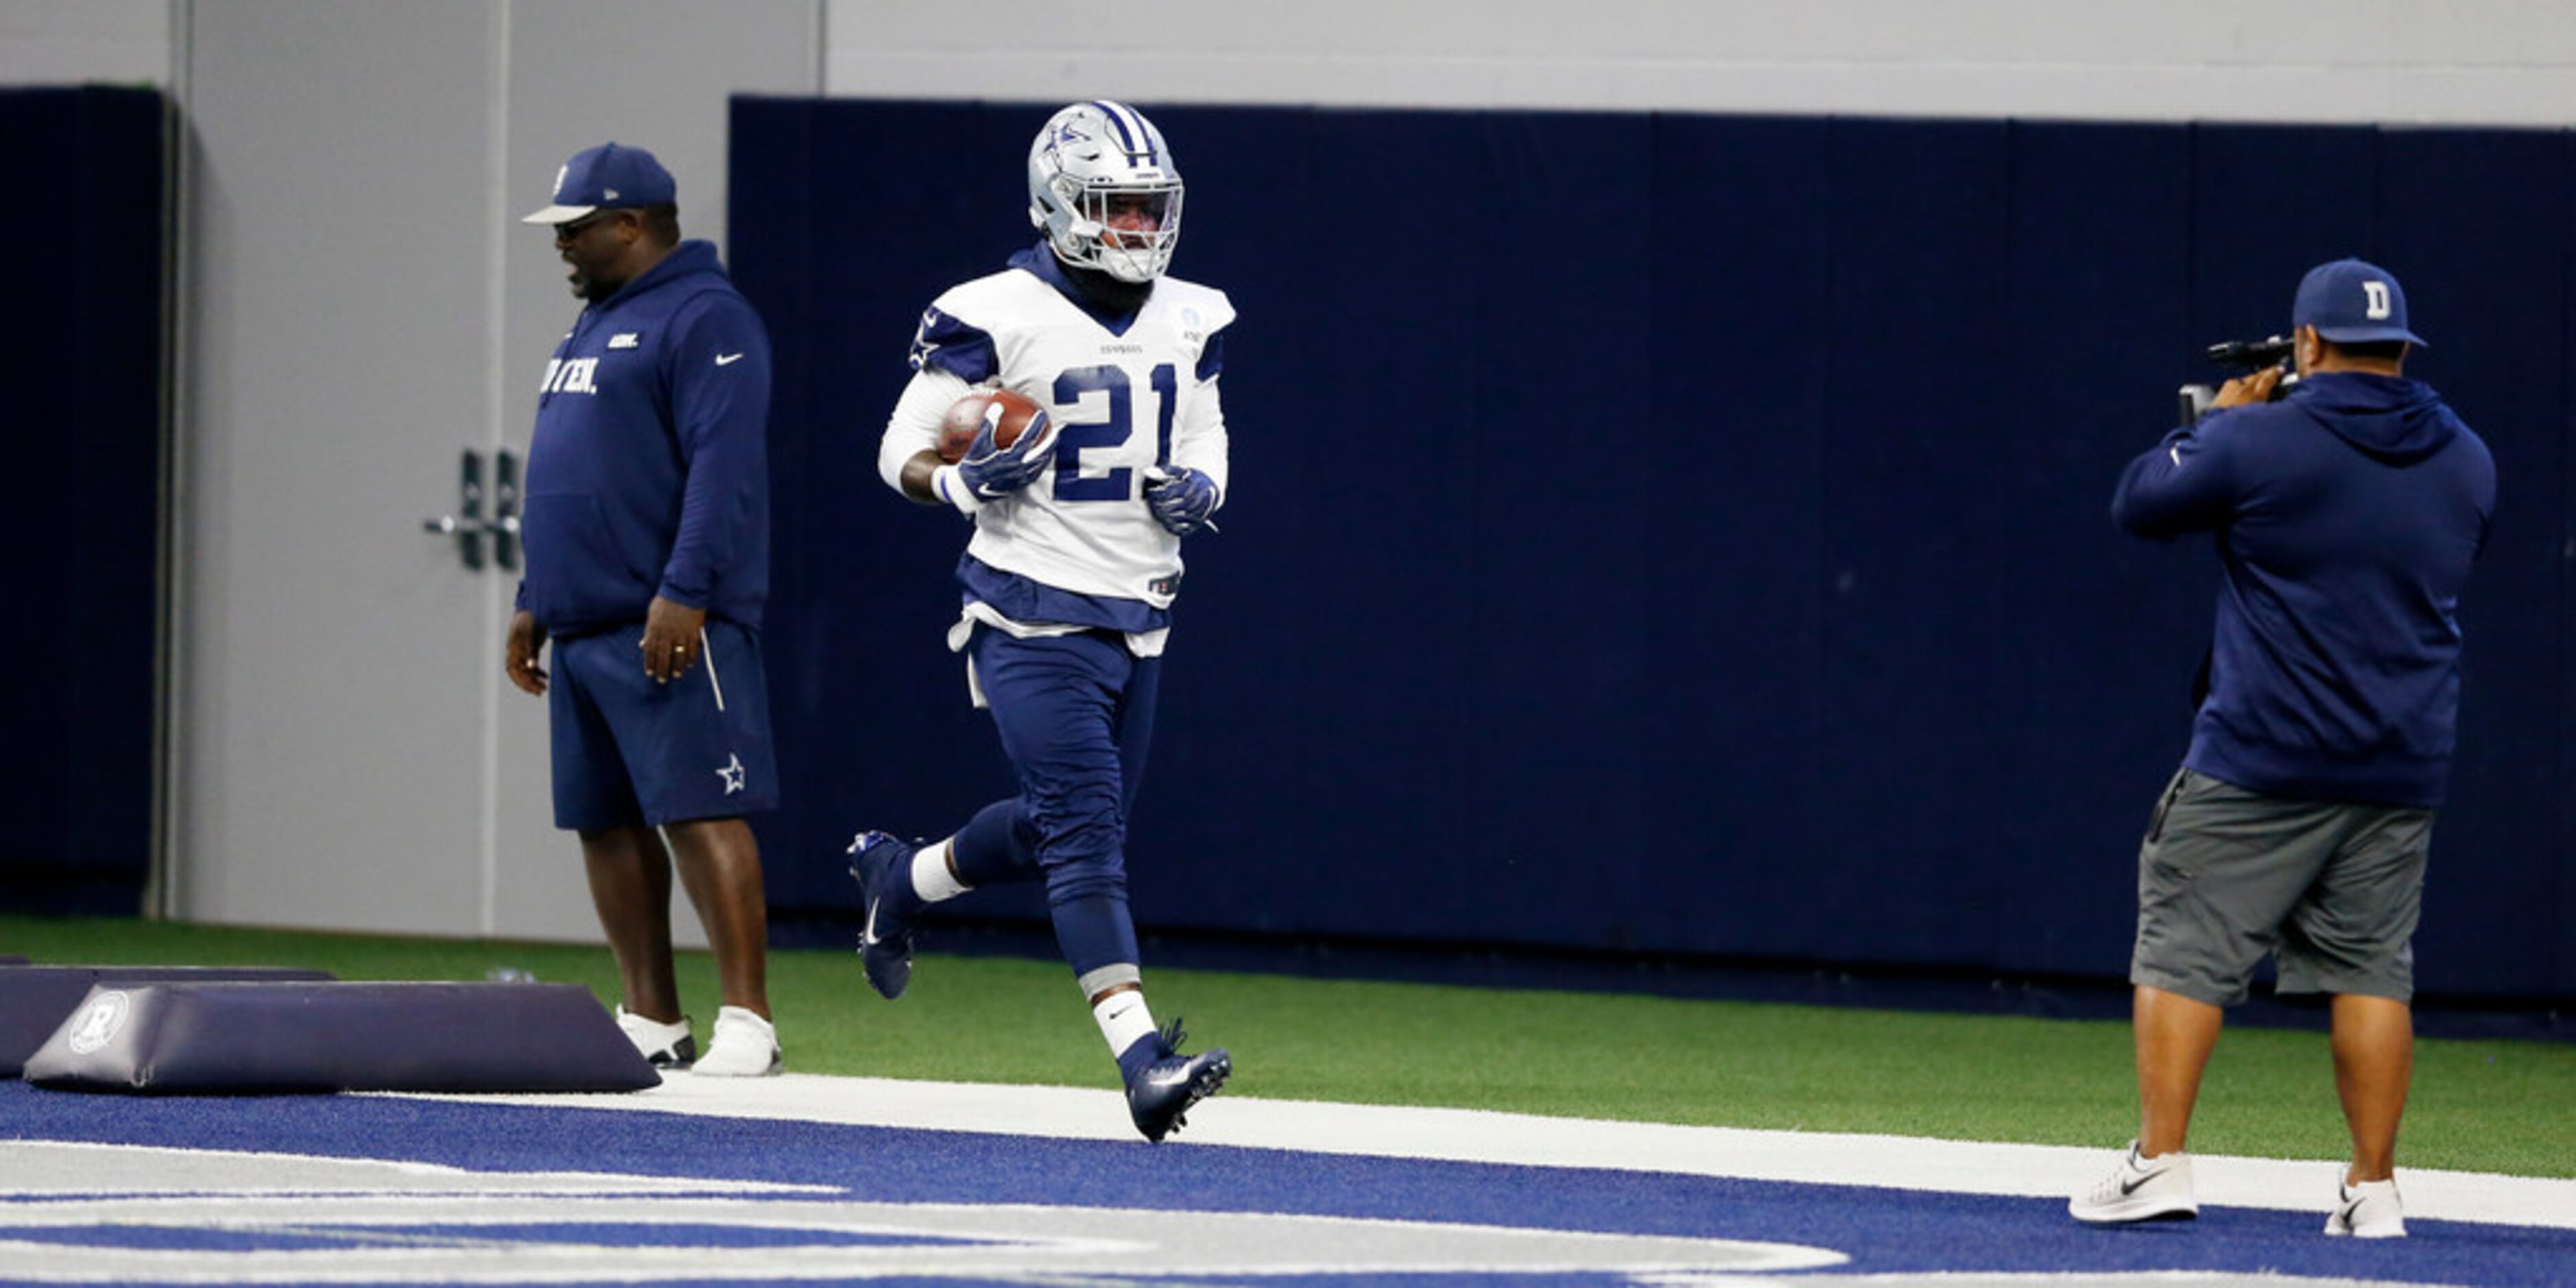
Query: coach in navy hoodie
(2346,515)
(647,537)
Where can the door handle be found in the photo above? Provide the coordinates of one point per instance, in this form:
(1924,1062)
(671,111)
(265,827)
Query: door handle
(466,525)
(504,526)
(469,526)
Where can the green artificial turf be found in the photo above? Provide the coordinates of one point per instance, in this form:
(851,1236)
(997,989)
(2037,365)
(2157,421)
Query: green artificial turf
(2495,1106)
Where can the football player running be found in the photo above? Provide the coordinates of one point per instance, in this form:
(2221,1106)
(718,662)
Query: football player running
(1076,557)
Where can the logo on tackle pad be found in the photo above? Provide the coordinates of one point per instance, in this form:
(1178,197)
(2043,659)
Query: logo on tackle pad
(99,1022)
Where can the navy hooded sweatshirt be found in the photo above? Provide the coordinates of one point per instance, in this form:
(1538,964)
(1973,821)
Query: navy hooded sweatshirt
(649,470)
(2346,515)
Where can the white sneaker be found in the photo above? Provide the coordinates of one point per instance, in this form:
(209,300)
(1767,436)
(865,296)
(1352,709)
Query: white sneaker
(2139,1189)
(744,1046)
(2369,1210)
(664,1046)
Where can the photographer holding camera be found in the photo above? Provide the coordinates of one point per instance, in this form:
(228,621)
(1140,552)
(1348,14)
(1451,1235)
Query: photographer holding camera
(2347,514)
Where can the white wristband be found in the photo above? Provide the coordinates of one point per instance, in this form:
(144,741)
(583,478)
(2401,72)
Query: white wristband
(949,486)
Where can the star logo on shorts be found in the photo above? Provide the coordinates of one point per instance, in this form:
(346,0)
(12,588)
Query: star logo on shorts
(731,773)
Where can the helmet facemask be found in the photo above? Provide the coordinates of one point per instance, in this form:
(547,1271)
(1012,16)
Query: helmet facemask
(1104,187)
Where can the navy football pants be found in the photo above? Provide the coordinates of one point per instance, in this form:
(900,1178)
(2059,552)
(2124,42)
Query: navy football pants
(1076,715)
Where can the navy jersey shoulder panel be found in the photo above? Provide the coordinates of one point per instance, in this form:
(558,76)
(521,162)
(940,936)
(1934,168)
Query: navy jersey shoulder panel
(945,343)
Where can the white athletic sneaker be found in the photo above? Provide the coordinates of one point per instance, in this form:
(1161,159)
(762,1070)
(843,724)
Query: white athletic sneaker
(743,1046)
(665,1046)
(2139,1189)
(2369,1210)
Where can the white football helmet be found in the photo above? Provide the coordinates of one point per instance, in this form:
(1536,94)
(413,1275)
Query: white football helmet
(1102,159)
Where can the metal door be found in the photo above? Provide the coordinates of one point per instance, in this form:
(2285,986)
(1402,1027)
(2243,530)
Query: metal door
(360,323)
(332,665)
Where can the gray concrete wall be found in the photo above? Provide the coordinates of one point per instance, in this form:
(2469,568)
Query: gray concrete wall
(2485,62)
(2506,62)
(73,42)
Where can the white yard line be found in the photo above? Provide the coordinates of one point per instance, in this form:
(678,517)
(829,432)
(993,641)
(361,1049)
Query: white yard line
(1477,1136)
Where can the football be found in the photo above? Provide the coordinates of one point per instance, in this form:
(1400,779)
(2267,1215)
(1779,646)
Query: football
(965,419)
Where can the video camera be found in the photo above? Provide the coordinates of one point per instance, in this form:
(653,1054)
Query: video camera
(2248,355)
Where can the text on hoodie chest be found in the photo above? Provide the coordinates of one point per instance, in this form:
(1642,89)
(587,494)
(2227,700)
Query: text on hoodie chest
(581,375)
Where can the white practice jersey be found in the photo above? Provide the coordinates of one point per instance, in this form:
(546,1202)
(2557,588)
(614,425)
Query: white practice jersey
(1121,401)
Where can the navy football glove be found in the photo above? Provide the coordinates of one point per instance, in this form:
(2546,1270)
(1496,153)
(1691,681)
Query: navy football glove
(994,472)
(989,473)
(1182,498)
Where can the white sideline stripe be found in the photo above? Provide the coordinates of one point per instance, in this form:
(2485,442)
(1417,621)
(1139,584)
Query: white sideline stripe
(70,1167)
(1528,1140)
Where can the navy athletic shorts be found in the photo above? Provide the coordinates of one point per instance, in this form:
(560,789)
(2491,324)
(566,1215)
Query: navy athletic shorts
(628,750)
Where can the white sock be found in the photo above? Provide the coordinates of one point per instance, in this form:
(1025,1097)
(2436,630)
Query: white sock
(931,878)
(1123,1019)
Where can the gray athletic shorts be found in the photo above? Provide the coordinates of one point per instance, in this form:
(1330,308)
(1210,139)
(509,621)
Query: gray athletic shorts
(2227,875)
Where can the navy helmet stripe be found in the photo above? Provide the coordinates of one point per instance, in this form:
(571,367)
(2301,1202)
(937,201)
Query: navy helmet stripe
(1138,139)
(1116,122)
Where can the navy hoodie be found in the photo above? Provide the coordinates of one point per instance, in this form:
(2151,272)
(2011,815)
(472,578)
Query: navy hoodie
(649,470)
(2347,515)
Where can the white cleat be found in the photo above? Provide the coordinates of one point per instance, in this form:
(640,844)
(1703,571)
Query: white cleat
(744,1046)
(664,1046)
(2369,1210)
(2139,1189)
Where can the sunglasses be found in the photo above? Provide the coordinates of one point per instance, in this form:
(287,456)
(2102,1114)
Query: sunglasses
(570,229)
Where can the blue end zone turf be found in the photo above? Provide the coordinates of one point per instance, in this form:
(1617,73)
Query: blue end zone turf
(667,1177)
(35,1000)
(308,1037)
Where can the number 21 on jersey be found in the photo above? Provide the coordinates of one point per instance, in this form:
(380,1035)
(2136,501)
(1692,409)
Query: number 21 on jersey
(1109,431)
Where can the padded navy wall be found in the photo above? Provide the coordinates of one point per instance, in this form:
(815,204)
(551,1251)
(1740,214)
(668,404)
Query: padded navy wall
(80,357)
(1670,533)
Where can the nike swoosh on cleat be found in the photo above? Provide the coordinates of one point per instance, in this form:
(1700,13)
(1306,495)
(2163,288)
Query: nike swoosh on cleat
(2128,1188)
(727,359)
(1173,1079)
(868,933)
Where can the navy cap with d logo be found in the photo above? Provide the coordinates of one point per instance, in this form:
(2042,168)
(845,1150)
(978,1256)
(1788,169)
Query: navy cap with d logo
(2352,302)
